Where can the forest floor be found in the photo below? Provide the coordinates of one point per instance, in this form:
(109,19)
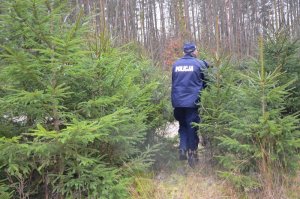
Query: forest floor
(180,181)
(184,183)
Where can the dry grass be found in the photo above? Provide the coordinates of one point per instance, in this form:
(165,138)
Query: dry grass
(294,190)
(196,184)
(201,183)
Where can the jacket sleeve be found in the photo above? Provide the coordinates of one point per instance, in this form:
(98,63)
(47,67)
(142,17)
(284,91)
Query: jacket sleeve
(203,73)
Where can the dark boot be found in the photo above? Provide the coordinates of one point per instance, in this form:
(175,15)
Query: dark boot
(182,154)
(204,141)
(193,158)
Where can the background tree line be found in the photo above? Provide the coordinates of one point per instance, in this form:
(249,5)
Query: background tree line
(233,24)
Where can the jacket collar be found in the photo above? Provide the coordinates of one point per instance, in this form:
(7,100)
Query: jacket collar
(188,56)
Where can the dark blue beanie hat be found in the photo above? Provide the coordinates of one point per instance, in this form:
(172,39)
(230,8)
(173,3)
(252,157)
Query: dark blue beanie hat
(189,47)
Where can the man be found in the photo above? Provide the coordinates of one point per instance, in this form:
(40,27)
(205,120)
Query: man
(187,83)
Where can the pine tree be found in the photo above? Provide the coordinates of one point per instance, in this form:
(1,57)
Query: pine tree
(73,117)
(217,103)
(253,139)
(283,52)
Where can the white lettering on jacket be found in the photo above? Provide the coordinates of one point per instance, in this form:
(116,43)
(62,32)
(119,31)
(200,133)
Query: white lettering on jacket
(184,68)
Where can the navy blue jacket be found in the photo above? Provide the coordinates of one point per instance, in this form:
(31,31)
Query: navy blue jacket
(187,81)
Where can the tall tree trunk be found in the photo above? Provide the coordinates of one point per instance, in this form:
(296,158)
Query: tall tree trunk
(193,20)
(162,21)
(187,19)
(102,23)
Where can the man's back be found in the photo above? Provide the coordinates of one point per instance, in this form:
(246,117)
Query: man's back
(187,81)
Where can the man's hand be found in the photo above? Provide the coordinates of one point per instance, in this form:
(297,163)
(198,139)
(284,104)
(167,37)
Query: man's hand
(209,64)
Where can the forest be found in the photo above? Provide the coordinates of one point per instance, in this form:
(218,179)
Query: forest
(85,98)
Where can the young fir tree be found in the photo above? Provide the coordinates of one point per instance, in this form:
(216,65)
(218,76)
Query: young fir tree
(218,102)
(72,117)
(261,139)
(283,53)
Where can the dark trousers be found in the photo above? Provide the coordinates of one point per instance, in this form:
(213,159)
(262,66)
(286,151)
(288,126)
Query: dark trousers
(187,133)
